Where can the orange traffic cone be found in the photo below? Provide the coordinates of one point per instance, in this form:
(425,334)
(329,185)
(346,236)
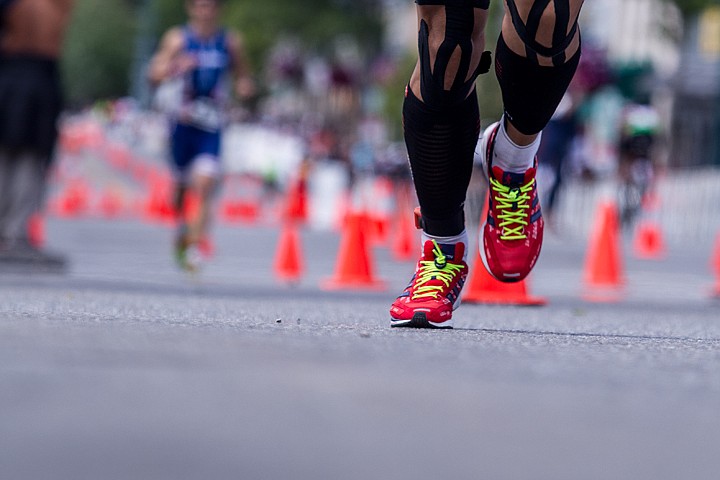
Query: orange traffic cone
(158,206)
(604,275)
(118,156)
(235,211)
(296,207)
(648,242)
(289,265)
(111,204)
(36,230)
(484,288)
(715,265)
(405,243)
(354,267)
(140,172)
(75,200)
(379,227)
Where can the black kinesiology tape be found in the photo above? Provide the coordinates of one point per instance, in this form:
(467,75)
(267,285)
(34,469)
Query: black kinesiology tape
(527,31)
(459,24)
(531,92)
(441,145)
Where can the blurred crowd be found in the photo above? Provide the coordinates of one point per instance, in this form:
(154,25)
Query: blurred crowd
(340,111)
(320,112)
(608,125)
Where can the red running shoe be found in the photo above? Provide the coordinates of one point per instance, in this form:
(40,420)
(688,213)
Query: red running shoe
(512,236)
(434,290)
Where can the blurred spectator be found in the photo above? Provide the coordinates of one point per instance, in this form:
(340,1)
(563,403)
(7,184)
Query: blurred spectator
(640,127)
(557,139)
(31,38)
(564,127)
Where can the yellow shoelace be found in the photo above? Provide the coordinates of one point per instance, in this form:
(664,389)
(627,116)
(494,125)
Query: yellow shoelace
(513,203)
(437,269)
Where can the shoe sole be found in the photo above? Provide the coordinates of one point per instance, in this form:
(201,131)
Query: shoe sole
(419,320)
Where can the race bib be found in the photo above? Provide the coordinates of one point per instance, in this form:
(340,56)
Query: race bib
(204,113)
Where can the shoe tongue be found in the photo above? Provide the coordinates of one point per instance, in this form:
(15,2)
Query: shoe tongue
(452,251)
(512,179)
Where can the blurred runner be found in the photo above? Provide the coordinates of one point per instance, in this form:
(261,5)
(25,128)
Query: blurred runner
(31,38)
(640,125)
(536,57)
(193,69)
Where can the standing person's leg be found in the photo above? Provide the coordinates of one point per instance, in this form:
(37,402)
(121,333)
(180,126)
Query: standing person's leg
(536,57)
(6,172)
(30,185)
(31,102)
(205,181)
(207,174)
(204,175)
(25,190)
(181,150)
(181,154)
(441,123)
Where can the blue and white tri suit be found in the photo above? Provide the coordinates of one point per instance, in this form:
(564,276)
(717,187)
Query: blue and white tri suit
(196,129)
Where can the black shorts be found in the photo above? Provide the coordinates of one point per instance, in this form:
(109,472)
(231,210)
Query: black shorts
(30,103)
(484,4)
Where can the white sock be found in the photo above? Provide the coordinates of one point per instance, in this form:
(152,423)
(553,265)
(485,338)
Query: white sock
(511,157)
(463,237)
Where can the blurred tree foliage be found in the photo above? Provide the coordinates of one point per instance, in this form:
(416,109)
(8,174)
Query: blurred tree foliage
(99,50)
(315,23)
(691,7)
(101,40)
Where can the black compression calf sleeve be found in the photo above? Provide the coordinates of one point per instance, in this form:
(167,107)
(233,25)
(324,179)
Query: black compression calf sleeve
(441,144)
(531,92)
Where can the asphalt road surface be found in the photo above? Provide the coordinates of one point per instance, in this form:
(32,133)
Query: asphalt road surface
(123,368)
